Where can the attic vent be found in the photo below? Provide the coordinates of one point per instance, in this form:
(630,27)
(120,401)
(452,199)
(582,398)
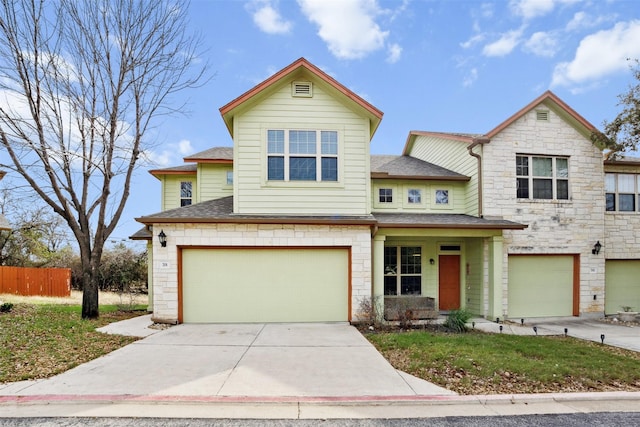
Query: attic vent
(542,115)
(302,89)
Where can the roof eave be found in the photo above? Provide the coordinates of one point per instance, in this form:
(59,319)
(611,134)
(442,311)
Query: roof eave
(257,220)
(383,175)
(514,226)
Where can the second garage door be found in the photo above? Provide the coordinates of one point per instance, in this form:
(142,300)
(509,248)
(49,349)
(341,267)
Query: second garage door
(622,284)
(541,286)
(265,285)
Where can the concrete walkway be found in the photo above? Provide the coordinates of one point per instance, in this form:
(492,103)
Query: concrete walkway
(617,335)
(288,371)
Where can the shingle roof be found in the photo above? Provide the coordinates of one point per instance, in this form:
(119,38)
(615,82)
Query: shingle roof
(410,168)
(142,234)
(215,153)
(403,220)
(192,168)
(221,210)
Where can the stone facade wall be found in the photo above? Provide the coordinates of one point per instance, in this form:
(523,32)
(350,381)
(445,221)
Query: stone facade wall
(554,226)
(165,260)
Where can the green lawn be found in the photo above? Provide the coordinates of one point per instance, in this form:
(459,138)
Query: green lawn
(38,341)
(479,363)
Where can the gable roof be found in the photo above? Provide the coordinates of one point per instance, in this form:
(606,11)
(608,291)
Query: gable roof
(212,155)
(550,100)
(228,110)
(466,138)
(407,167)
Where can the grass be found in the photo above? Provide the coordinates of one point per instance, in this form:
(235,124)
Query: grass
(479,363)
(41,340)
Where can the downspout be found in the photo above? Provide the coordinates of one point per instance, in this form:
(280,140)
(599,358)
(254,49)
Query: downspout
(478,141)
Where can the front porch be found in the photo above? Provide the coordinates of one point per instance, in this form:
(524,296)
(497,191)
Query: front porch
(428,271)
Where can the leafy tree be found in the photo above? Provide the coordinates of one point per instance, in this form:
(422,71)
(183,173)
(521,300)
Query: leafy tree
(81,84)
(37,237)
(623,133)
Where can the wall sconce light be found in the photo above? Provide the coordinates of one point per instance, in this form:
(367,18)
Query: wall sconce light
(432,261)
(163,239)
(596,248)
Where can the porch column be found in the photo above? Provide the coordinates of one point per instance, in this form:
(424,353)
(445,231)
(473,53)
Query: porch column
(150,275)
(378,272)
(496,259)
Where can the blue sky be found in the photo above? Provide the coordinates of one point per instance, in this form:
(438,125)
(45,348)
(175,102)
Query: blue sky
(451,66)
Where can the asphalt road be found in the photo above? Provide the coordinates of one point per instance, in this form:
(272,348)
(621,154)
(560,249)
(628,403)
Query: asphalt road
(550,420)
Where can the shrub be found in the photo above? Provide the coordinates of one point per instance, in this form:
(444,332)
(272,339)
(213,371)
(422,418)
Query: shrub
(457,320)
(6,307)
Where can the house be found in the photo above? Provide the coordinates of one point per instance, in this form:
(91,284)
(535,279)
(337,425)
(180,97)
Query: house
(299,222)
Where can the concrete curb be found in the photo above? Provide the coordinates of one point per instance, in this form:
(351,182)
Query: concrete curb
(314,407)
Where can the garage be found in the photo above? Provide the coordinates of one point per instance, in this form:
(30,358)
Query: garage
(622,285)
(543,286)
(264,285)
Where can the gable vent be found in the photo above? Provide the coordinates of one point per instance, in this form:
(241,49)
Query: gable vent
(302,89)
(542,115)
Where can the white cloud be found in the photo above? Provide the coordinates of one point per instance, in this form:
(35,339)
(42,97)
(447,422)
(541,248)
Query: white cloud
(541,44)
(470,78)
(529,9)
(395,51)
(582,20)
(348,26)
(472,41)
(504,45)
(267,18)
(600,54)
(184,147)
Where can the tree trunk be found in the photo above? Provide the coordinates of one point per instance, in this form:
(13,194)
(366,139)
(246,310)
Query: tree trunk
(90,308)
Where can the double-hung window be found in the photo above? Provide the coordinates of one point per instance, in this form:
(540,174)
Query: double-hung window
(541,177)
(302,155)
(622,192)
(186,193)
(402,270)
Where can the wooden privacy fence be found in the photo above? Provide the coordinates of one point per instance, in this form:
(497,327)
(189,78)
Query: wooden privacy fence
(48,282)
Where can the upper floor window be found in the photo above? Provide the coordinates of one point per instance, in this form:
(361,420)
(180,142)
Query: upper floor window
(442,197)
(542,177)
(622,192)
(229,177)
(385,195)
(302,155)
(185,193)
(414,195)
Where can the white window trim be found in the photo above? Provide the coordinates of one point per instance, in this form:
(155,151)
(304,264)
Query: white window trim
(616,193)
(554,178)
(287,155)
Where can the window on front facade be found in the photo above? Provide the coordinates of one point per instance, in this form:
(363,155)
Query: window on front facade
(414,196)
(621,192)
(302,155)
(385,195)
(542,177)
(229,177)
(442,197)
(407,279)
(185,193)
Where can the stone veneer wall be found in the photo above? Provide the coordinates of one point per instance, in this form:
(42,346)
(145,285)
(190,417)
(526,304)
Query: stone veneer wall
(165,260)
(621,241)
(554,227)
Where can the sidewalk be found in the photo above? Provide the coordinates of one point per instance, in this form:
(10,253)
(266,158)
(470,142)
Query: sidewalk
(95,390)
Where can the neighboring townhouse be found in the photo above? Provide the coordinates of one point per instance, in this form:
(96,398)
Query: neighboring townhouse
(298,222)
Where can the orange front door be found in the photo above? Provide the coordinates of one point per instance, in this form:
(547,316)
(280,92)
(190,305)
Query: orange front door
(449,282)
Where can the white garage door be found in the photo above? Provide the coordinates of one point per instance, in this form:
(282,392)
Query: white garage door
(540,286)
(265,285)
(622,285)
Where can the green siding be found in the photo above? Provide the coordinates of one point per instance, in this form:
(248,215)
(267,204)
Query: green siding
(540,286)
(457,201)
(255,195)
(171,190)
(265,285)
(212,181)
(622,284)
(452,155)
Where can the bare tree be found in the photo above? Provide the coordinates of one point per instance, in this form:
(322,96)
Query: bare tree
(81,83)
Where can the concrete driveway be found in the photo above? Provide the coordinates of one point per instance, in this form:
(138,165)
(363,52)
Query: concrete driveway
(243,360)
